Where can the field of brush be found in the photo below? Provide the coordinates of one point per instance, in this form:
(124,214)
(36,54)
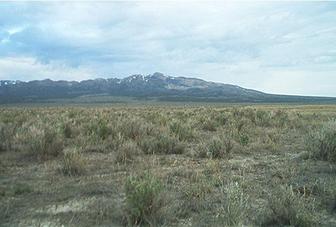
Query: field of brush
(168,166)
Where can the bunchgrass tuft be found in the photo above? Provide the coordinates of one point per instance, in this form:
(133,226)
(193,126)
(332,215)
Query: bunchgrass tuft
(143,200)
(234,205)
(42,142)
(127,152)
(322,143)
(290,209)
(162,144)
(72,163)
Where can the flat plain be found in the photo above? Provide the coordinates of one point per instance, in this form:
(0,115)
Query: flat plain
(175,165)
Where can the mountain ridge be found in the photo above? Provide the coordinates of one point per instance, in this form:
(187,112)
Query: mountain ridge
(154,86)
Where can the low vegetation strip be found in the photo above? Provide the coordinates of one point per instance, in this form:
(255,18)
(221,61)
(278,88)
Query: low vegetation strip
(176,166)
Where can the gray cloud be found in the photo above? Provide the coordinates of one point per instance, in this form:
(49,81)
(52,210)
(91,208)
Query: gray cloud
(275,47)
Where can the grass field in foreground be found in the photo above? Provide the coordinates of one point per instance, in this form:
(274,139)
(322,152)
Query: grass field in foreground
(262,165)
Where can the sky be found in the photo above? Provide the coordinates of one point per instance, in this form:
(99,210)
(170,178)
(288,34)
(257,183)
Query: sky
(275,47)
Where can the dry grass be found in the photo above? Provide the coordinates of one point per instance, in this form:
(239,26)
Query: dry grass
(289,208)
(218,166)
(143,200)
(127,152)
(322,143)
(72,163)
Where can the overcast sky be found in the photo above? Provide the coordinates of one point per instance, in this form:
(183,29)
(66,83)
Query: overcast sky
(286,48)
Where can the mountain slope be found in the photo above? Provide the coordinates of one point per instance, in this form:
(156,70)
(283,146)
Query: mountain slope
(157,86)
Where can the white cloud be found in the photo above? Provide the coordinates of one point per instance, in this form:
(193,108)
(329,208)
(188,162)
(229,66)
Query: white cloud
(297,82)
(270,46)
(27,68)
(15,30)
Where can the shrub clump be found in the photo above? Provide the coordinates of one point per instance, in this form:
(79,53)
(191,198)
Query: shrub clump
(281,118)
(127,152)
(263,118)
(73,163)
(182,131)
(6,134)
(234,205)
(322,144)
(290,209)
(21,188)
(193,195)
(209,125)
(67,130)
(42,142)
(244,139)
(103,130)
(133,128)
(162,144)
(99,129)
(143,200)
(217,148)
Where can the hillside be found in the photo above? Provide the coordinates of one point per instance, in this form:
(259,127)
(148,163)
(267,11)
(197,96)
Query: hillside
(156,86)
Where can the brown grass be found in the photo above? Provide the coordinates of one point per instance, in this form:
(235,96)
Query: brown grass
(210,166)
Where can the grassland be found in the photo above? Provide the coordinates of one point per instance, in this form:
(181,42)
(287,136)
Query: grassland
(171,165)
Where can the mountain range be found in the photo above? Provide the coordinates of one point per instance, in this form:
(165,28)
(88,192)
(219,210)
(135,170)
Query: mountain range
(157,87)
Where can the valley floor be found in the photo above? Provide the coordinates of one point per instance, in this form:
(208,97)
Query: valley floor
(168,166)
